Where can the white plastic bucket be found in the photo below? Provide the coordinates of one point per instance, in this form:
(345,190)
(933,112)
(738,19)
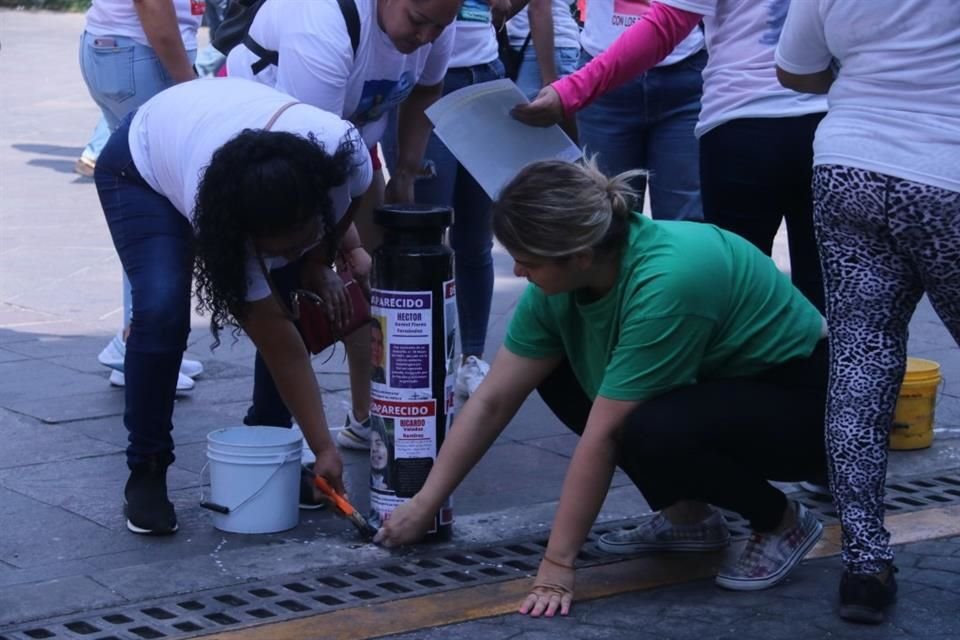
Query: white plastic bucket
(254,479)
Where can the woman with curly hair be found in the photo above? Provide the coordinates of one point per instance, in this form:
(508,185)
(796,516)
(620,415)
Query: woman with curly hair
(227,180)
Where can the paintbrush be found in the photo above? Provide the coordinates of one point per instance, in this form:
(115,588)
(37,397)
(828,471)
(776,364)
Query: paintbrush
(346,509)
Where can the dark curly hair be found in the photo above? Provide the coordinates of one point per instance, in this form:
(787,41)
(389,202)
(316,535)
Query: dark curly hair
(260,183)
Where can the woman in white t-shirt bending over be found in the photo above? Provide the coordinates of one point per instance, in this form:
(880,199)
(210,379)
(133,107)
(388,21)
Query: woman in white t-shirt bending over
(194,184)
(887,214)
(396,52)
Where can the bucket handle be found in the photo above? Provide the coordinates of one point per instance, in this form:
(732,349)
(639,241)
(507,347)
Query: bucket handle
(225,510)
(940,387)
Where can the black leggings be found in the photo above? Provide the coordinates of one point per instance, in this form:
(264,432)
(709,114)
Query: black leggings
(755,172)
(718,441)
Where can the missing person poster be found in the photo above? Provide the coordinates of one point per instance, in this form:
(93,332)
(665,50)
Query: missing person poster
(406,343)
(409,418)
(403,448)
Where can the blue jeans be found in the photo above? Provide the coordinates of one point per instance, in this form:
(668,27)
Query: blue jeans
(101,133)
(121,74)
(529,79)
(471,235)
(648,124)
(154,242)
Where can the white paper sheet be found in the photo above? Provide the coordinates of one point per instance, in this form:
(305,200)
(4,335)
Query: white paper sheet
(475,124)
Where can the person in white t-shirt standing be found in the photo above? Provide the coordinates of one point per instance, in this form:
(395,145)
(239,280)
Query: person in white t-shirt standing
(756,138)
(548,38)
(225,180)
(887,194)
(130,51)
(444,181)
(400,57)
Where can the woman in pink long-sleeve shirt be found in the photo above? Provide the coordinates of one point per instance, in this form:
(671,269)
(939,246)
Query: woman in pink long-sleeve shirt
(647,122)
(755,136)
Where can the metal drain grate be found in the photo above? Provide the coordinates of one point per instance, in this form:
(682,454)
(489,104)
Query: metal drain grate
(300,595)
(902,495)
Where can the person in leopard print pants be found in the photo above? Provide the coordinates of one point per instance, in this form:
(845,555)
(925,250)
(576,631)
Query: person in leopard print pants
(887,216)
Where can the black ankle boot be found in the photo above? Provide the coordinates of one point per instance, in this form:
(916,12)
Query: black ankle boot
(866,598)
(145,504)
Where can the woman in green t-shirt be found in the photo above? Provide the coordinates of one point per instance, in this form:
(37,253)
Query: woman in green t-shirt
(677,350)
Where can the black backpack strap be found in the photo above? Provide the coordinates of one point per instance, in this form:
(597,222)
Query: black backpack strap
(267,56)
(352,18)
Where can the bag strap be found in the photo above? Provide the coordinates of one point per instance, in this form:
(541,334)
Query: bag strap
(263,265)
(351,17)
(292,316)
(521,54)
(266,57)
(523,48)
(278,113)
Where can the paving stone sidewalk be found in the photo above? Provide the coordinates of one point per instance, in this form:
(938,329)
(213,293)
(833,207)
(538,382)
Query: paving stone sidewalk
(804,607)
(63,544)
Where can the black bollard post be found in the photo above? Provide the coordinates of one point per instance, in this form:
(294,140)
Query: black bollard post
(414,307)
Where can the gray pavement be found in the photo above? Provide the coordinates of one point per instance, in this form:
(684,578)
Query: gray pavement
(803,607)
(63,544)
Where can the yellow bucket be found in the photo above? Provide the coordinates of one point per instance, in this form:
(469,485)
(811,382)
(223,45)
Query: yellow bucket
(913,417)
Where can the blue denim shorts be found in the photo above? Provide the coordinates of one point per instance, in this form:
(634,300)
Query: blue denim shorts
(529,79)
(121,74)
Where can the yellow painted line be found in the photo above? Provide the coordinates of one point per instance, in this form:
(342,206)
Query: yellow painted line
(484,601)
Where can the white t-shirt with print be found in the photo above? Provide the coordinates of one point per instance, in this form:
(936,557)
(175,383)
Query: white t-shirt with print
(740,79)
(391,75)
(566,33)
(607,19)
(175,134)
(119,18)
(895,105)
(318,65)
(475,41)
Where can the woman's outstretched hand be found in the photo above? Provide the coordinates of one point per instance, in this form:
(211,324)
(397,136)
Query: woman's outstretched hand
(552,591)
(407,523)
(545,110)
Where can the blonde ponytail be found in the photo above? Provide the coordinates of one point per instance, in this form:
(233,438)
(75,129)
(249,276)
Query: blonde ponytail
(555,209)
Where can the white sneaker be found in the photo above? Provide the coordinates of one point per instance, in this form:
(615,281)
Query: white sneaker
(355,434)
(191,368)
(113,354)
(85,166)
(659,534)
(307,456)
(769,557)
(184,383)
(469,376)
